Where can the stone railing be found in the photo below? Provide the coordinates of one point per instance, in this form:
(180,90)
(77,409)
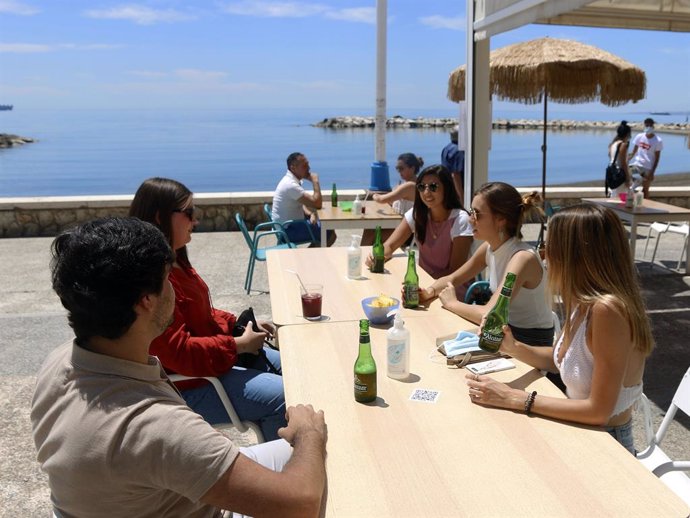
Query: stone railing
(31,217)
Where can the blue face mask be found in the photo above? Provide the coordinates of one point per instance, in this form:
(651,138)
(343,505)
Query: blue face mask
(648,130)
(464,342)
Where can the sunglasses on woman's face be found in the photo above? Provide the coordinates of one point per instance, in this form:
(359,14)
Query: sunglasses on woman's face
(474,213)
(433,187)
(189,212)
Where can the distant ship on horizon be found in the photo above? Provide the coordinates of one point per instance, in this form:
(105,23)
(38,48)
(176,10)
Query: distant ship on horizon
(6,107)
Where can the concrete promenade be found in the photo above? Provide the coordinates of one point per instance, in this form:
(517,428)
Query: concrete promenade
(32,323)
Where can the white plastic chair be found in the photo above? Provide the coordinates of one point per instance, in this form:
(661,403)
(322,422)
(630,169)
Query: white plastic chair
(669,471)
(662,228)
(242,426)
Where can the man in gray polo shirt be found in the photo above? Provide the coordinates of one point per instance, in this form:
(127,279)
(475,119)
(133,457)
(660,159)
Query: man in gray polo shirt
(112,432)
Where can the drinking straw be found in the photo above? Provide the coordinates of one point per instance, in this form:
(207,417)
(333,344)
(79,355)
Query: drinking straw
(304,290)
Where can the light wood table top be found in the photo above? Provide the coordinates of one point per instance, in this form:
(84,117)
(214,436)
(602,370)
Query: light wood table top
(376,214)
(649,212)
(342,296)
(453,458)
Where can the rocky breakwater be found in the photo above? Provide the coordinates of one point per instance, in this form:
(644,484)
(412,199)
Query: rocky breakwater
(398,121)
(8,140)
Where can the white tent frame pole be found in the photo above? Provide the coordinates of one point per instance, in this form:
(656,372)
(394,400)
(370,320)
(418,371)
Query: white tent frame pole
(478,109)
(380,120)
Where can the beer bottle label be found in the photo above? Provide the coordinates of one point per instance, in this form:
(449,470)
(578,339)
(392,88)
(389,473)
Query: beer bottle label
(411,295)
(506,292)
(377,265)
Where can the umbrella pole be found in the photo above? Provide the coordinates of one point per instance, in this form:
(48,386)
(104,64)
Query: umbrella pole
(540,239)
(543,156)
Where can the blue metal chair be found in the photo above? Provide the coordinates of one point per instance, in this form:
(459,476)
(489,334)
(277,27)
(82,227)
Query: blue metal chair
(312,239)
(478,293)
(258,252)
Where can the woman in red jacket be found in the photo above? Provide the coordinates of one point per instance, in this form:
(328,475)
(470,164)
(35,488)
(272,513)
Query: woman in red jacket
(199,342)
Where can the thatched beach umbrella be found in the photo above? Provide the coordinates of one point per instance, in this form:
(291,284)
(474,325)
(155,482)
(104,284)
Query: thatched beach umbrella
(564,71)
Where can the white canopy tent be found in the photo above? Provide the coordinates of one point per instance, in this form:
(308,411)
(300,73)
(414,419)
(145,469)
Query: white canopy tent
(486,18)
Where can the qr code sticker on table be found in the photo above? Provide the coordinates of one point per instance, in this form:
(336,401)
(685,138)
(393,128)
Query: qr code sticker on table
(425,395)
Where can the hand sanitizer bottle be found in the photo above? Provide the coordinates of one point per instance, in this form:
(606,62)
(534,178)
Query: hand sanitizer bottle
(357,206)
(398,349)
(354,259)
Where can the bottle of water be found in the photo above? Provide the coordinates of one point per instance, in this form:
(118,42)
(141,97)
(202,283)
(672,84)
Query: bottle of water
(398,349)
(357,207)
(354,259)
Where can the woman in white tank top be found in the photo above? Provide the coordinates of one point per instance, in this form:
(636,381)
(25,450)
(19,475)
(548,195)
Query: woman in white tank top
(496,217)
(606,334)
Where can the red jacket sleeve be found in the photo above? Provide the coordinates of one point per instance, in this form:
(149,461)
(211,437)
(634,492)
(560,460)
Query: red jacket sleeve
(199,341)
(225,320)
(182,353)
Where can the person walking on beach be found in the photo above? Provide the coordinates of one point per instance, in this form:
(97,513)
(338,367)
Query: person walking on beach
(644,158)
(618,148)
(453,159)
(113,434)
(292,203)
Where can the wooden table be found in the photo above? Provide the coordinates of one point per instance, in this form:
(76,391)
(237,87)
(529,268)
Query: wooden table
(649,212)
(375,214)
(342,296)
(398,457)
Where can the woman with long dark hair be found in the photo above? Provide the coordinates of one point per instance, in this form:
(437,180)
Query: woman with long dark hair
(618,148)
(199,342)
(440,224)
(403,195)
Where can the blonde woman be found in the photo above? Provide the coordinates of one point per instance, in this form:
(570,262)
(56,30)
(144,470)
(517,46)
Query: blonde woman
(496,217)
(606,335)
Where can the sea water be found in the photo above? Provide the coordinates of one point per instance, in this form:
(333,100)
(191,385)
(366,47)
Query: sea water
(111,151)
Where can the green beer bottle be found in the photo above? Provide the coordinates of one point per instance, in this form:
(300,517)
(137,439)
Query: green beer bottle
(492,332)
(334,197)
(377,252)
(411,283)
(365,367)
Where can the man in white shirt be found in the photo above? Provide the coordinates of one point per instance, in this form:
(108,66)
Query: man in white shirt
(292,203)
(645,155)
(113,433)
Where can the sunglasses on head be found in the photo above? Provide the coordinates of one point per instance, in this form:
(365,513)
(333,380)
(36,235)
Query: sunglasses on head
(189,212)
(433,187)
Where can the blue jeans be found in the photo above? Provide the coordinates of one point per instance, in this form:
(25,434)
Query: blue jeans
(256,394)
(624,435)
(299,233)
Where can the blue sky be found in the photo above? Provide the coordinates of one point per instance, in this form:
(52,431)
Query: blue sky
(275,54)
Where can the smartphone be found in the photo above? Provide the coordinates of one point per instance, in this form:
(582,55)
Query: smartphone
(499,364)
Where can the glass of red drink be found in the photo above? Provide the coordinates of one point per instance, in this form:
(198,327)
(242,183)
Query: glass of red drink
(311,301)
